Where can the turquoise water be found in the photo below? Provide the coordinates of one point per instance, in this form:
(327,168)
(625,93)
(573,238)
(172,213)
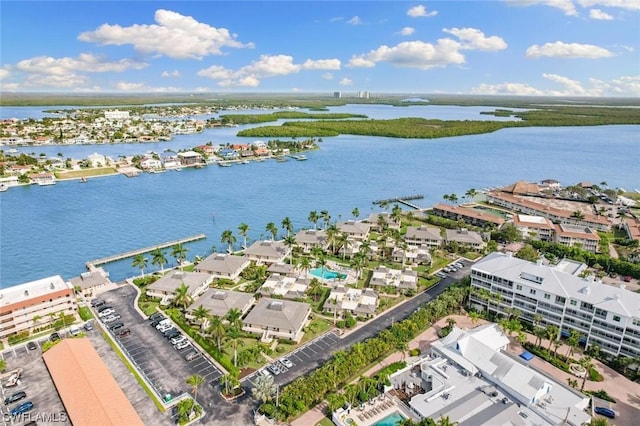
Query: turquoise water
(53,230)
(328,274)
(390,420)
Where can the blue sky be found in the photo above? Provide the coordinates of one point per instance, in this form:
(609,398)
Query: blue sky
(506,47)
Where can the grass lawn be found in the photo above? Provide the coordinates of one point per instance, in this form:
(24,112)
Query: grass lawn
(76,174)
(85,313)
(149,307)
(316,327)
(324,422)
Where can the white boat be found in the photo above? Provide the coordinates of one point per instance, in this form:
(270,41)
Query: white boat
(83,179)
(3,187)
(47,183)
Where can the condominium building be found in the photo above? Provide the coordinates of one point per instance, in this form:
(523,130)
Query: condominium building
(602,314)
(33,304)
(534,227)
(571,235)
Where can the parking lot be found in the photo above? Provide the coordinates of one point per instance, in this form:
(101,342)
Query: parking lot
(38,386)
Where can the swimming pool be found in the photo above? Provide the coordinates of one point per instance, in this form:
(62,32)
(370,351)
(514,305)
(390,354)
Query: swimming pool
(328,274)
(391,420)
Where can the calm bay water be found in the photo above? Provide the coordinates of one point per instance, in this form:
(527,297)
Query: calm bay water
(56,229)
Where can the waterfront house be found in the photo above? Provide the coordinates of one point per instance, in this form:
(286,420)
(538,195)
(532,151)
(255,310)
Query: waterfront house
(228,154)
(97,160)
(171,162)
(521,188)
(571,235)
(551,184)
(219,302)
(278,319)
(412,255)
(465,238)
(267,252)
(534,227)
(190,158)
(284,286)
(359,302)
(262,152)
(377,221)
(631,227)
(404,279)
(43,178)
(308,239)
(150,163)
(423,236)
(283,269)
(89,282)
(165,288)
(223,266)
(354,230)
(468,215)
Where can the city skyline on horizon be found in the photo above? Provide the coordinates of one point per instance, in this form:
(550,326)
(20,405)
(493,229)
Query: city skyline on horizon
(588,48)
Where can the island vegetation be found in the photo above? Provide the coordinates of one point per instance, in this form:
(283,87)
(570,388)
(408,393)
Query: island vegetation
(275,116)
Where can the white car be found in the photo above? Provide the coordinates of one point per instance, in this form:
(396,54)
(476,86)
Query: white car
(106,312)
(110,318)
(181,345)
(163,327)
(178,339)
(286,362)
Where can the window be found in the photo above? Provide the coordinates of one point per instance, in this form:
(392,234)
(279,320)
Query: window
(616,318)
(574,302)
(561,300)
(547,296)
(532,291)
(518,287)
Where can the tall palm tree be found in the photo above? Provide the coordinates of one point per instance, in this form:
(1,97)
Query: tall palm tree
(396,213)
(445,421)
(470,194)
(577,215)
(446,197)
(343,242)
(453,198)
(586,363)
(304,263)
(228,238)
(158,258)
(264,388)
(200,313)
(233,335)
(326,218)
(243,230)
(314,218)
(195,380)
(272,229)
(179,253)
(322,262)
(234,316)
(314,286)
(332,235)
(355,213)
(552,334)
(182,298)
(287,225)
(217,331)
(230,382)
(140,262)
(290,242)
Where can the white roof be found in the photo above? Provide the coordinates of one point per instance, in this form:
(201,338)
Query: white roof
(33,289)
(533,219)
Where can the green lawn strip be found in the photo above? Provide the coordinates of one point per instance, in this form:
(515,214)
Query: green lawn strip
(85,173)
(133,371)
(85,313)
(148,307)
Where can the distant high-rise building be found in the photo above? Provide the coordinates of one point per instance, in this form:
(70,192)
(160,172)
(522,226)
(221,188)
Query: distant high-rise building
(337,94)
(363,94)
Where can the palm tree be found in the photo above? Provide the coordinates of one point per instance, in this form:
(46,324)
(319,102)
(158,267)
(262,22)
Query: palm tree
(332,235)
(304,263)
(290,242)
(230,382)
(313,218)
(446,197)
(272,229)
(140,262)
(453,198)
(182,298)
(324,214)
(287,225)
(552,334)
(572,341)
(445,421)
(234,336)
(195,380)
(396,213)
(234,316)
(343,242)
(470,194)
(263,388)
(474,316)
(217,331)
(158,258)
(179,253)
(585,363)
(355,213)
(577,215)
(228,238)
(314,286)
(243,230)
(322,262)
(200,313)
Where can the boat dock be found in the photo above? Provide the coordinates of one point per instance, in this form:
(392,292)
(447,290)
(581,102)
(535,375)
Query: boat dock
(402,200)
(93,264)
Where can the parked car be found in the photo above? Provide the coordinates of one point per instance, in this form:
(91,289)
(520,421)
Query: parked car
(183,344)
(157,317)
(97,303)
(171,333)
(111,318)
(18,396)
(177,339)
(88,326)
(286,362)
(123,332)
(274,369)
(604,411)
(104,308)
(164,327)
(32,346)
(106,312)
(116,325)
(54,337)
(190,356)
(22,408)
(74,330)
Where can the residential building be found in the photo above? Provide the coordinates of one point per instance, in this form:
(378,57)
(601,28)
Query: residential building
(551,184)
(190,158)
(465,238)
(354,247)
(34,304)
(412,255)
(284,286)
(165,288)
(526,206)
(308,239)
(423,236)
(405,279)
(572,235)
(359,302)
(116,115)
(43,178)
(522,187)
(469,378)
(602,314)
(631,227)
(278,319)
(97,160)
(534,227)
(150,163)
(223,266)
(283,269)
(354,230)
(381,220)
(89,282)
(267,251)
(218,302)
(468,215)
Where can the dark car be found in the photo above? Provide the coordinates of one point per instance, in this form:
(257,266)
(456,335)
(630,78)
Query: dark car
(96,303)
(170,331)
(54,337)
(22,408)
(104,308)
(124,332)
(32,346)
(156,317)
(154,323)
(604,411)
(116,325)
(173,334)
(15,397)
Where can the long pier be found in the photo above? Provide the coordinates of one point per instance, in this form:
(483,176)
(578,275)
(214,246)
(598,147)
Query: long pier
(399,199)
(91,265)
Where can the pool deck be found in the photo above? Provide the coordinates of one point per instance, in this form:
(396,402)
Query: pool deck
(334,267)
(371,412)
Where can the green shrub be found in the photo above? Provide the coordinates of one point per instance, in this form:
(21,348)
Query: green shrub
(17,338)
(602,394)
(85,313)
(414,352)
(594,375)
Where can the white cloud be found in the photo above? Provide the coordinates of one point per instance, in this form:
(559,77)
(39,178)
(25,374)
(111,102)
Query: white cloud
(271,65)
(216,72)
(520,89)
(3,73)
(327,76)
(129,87)
(360,61)
(420,11)
(175,35)
(407,31)
(354,21)
(622,4)
(346,82)
(473,39)
(248,81)
(415,54)
(560,49)
(174,73)
(571,87)
(85,62)
(599,15)
(321,64)
(566,6)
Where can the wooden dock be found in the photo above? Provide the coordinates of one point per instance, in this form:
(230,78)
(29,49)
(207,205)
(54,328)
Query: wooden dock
(91,265)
